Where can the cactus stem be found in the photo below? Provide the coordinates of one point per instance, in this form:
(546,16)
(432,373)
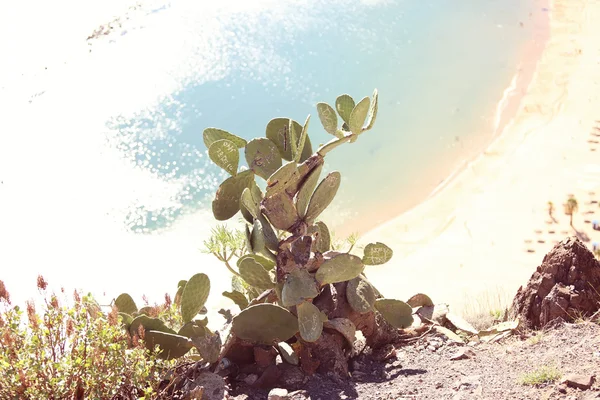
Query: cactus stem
(333,143)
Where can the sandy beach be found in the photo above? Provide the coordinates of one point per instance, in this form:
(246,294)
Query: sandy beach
(481,236)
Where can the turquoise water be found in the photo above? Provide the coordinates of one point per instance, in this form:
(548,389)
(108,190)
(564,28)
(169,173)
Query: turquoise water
(103,168)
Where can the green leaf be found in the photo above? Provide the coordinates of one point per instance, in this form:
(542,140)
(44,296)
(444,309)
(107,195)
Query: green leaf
(224,153)
(265,323)
(377,254)
(254,274)
(194,296)
(227,199)
(396,312)
(299,285)
(323,195)
(344,105)
(263,157)
(358,116)
(125,304)
(307,189)
(211,135)
(328,118)
(342,267)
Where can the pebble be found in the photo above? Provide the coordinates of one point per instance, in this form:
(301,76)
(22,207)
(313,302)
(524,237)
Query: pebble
(278,394)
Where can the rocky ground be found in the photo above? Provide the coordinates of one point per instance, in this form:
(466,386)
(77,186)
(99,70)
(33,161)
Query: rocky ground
(435,367)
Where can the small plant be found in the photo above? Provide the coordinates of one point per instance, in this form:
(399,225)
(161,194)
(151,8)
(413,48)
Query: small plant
(535,339)
(551,210)
(541,375)
(68,352)
(571,207)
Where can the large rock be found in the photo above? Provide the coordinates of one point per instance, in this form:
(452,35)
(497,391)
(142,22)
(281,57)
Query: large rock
(566,285)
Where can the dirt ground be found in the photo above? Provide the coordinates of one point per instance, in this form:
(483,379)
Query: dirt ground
(425,369)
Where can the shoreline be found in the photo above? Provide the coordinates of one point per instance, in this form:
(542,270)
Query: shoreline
(456,234)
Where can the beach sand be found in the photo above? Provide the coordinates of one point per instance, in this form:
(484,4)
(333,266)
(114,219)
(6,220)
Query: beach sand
(485,232)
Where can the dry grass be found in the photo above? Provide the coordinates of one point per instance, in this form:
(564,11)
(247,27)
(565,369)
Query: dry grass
(486,308)
(543,374)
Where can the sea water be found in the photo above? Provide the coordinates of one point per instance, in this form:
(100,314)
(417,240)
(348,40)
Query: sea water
(105,183)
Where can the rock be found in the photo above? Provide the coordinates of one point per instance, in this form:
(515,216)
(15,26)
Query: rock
(431,348)
(299,395)
(250,379)
(269,377)
(213,386)
(562,287)
(462,354)
(265,355)
(278,394)
(578,381)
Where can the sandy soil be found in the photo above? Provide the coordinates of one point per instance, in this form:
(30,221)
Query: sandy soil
(483,235)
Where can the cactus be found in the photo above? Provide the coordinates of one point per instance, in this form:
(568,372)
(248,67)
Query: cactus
(377,254)
(209,346)
(282,178)
(287,353)
(344,105)
(359,115)
(265,262)
(257,238)
(372,115)
(211,135)
(299,285)
(224,153)
(343,326)
(281,211)
(238,298)
(194,328)
(265,324)
(254,274)
(396,312)
(340,268)
(322,241)
(278,130)
(125,304)
(194,296)
(323,195)
(420,300)
(227,200)
(309,321)
(306,190)
(149,324)
(328,118)
(170,345)
(250,203)
(360,295)
(262,156)
(271,240)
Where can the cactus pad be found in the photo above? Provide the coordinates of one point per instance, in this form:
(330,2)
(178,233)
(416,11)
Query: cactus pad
(278,131)
(271,240)
(323,195)
(171,345)
(372,111)
(282,178)
(280,210)
(299,285)
(377,254)
(343,326)
(358,116)
(254,274)
(328,118)
(238,298)
(211,135)
(126,320)
(125,304)
(344,105)
(193,329)
(307,189)
(419,300)
(148,323)
(342,267)
(209,346)
(299,148)
(263,157)
(360,295)
(265,262)
(147,310)
(224,153)
(250,203)
(322,237)
(227,200)
(309,321)
(287,353)
(396,312)
(194,296)
(257,238)
(265,324)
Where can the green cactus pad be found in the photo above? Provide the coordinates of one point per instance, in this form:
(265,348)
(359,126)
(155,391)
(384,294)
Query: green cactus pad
(264,261)
(125,304)
(278,131)
(257,238)
(310,323)
(271,240)
(126,320)
(322,238)
(247,215)
(254,274)
(181,283)
(211,135)
(171,345)
(377,254)
(194,296)
(209,346)
(342,267)
(148,323)
(307,189)
(396,312)
(419,300)
(372,111)
(299,285)
(299,148)
(328,118)
(360,295)
(287,353)
(263,157)
(307,150)
(344,105)
(282,178)
(265,323)
(193,329)
(343,326)
(358,116)
(238,298)
(227,200)
(224,153)
(147,310)
(250,203)
(323,195)
(280,210)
